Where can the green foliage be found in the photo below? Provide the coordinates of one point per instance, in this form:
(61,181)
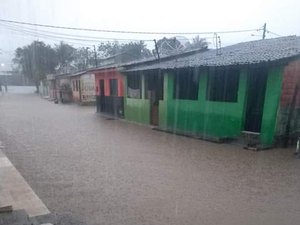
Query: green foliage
(35,60)
(65,54)
(84,58)
(124,52)
(169,46)
(38,59)
(198,43)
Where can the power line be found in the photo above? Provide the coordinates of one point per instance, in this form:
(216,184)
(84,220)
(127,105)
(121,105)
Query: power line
(268,31)
(65,36)
(71,35)
(56,38)
(53,38)
(50,35)
(122,31)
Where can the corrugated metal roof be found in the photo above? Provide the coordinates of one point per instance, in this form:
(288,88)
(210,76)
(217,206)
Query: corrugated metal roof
(252,52)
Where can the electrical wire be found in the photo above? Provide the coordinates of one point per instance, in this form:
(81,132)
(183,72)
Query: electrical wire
(71,35)
(45,34)
(278,35)
(122,31)
(50,35)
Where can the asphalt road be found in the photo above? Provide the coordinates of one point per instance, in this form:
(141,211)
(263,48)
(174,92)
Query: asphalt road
(115,172)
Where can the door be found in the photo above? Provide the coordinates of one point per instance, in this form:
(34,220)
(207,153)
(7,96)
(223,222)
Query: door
(154,88)
(101,93)
(257,80)
(154,101)
(79,89)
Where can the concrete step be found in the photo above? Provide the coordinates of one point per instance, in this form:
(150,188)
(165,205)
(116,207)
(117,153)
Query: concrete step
(5,201)
(61,218)
(18,217)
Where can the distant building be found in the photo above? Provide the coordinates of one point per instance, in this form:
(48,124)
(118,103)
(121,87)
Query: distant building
(109,91)
(249,89)
(83,87)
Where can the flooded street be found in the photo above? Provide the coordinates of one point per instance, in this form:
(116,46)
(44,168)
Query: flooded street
(118,173)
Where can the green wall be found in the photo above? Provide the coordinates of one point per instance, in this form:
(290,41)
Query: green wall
(208,118)
(202,117)
(137,110)
(272,97)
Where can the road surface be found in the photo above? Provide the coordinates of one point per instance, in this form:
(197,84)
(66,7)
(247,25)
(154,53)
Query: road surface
(114,172)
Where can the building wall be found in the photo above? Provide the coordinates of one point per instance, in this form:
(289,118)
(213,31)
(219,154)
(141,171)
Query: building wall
(291,77)
(202,117)
(271,105)
(66,95)
(137,110)
(219,119)
(52,88)
(206,118)
(106,75)
(75,92)
(44,89)
(87,88)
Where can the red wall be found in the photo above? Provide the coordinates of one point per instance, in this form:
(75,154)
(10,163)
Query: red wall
(106,75)
(291,76)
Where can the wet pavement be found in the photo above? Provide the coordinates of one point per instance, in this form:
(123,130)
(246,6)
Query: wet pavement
(113,172)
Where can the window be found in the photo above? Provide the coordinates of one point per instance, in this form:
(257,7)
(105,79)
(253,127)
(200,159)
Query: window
(73,82)
(154,85)
(134,86)
(113,87)
(186,84)
(222,85)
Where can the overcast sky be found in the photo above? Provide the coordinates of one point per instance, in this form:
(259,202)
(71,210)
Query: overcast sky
(282,17)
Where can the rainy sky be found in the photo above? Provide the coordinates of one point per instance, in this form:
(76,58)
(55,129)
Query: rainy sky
(282,18)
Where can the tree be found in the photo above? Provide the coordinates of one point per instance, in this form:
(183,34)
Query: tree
(198,43)
(124,52)
(109,49)
(65,55)
(169,46)
(84,58)
(35,61)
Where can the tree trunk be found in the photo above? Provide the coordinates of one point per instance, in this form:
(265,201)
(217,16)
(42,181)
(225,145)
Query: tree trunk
(37,87)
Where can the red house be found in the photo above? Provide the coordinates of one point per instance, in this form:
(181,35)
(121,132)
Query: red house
(109,91)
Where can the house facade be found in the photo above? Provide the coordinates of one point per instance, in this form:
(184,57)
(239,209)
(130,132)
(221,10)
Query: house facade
(249,89)
(109,91)
(63,90)
(51,83)
(83,87)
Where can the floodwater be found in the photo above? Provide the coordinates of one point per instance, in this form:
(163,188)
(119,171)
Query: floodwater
(115,172)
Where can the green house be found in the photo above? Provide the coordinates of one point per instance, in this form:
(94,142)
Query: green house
(249,89)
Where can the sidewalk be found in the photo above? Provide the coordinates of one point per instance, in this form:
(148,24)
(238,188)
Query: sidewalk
(15,191)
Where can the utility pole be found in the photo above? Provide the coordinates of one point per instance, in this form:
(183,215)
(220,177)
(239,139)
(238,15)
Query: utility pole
(264,31)
(156,49)
(158,57)
(95,55)
(218,44)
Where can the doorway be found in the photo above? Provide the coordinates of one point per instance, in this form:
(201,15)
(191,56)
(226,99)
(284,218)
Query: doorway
(154,92)
(101,94)
(256,89)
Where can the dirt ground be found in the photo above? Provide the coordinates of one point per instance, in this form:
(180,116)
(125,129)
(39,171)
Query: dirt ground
(115,172)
